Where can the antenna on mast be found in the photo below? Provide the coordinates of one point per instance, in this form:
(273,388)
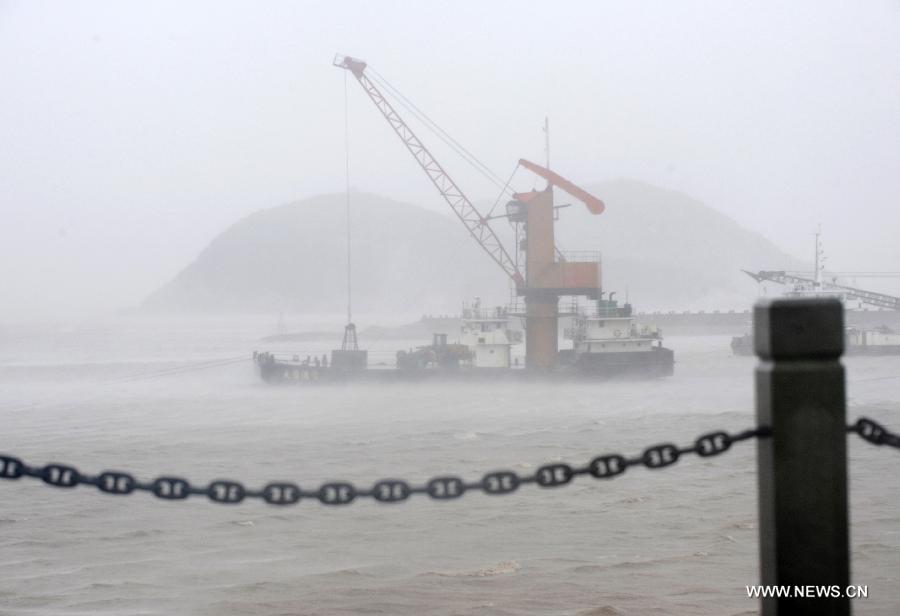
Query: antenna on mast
(820,260)
(547,140)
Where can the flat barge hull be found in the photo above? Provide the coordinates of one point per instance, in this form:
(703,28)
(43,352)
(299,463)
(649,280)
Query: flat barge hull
(653,364)
(874,349)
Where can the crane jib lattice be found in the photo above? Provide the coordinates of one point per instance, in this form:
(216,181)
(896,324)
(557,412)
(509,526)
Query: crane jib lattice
(477,225)
(444,487)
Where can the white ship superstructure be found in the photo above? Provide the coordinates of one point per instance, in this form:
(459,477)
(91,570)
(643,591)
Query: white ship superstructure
(610,329)
(606,337)
(878,341)
(487,335)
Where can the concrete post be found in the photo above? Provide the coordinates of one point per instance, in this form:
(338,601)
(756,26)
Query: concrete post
(802,467)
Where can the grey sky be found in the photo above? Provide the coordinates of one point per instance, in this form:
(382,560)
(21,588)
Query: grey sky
(132,133)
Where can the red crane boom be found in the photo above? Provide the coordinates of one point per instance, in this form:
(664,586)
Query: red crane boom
(594,205)
(476,224)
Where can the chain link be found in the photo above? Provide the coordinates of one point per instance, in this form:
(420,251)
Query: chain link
(873,432)
(386,490)
(448,487)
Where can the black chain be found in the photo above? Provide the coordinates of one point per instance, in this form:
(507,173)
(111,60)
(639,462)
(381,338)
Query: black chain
(385,490)
(873,432)
(396,490)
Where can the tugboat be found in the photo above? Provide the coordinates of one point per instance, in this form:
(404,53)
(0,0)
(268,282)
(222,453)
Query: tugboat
(608,341)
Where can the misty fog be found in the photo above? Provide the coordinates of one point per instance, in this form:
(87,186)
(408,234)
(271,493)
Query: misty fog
(136,134)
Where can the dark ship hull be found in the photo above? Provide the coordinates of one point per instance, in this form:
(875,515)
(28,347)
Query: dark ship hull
(656,363)
(743,345)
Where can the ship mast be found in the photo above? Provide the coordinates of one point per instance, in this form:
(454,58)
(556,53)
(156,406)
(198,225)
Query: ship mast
(819,262)
(547,140)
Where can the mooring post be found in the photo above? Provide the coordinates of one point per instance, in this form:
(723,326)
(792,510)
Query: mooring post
(802,466)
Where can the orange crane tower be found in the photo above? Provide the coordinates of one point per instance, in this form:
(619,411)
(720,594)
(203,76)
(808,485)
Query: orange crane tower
(548,275)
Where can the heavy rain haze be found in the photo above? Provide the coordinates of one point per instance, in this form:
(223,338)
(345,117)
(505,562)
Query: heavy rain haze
(135,133)
(174,306)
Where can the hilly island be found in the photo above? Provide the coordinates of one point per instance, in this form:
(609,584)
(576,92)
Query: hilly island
(660,248)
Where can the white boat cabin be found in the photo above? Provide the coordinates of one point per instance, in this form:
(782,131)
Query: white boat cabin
(610,329)
(487,335)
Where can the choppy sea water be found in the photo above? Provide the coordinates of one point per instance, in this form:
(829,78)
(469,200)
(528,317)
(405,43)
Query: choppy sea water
(117,394)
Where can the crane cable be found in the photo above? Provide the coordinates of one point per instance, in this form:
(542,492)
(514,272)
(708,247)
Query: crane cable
(503,191)
(347,191)
(439,132)
(435,127)
(443,135)
(178,370)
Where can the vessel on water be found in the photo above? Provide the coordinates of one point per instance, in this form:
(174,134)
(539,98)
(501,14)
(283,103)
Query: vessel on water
(606,342)
(864,336)
(877,341)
